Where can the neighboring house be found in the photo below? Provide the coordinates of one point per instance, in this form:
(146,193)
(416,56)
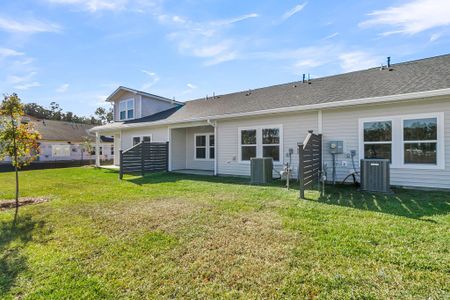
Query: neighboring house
(64,141)
(400,112)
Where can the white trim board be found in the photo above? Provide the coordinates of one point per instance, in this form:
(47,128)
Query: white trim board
(426,96)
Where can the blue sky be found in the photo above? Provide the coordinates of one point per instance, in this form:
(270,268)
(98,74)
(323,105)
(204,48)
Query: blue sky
(76,52)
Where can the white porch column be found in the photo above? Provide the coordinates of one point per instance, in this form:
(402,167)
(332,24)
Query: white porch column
(97,149)
(169,138)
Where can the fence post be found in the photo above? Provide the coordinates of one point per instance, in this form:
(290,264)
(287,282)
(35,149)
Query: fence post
(167,156)
(142,159)
(300,171)
(120,164)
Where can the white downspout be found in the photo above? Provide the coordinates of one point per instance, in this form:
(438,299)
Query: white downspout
(97,149)
(214,124)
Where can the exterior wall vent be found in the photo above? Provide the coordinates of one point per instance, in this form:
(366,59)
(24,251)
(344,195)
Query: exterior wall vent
(261,170)
(375,175)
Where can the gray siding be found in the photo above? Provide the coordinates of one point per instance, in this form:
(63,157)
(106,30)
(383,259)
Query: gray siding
(151,106)
(295,128)
(191,162)
(178,149)
(342,124)
(159,134)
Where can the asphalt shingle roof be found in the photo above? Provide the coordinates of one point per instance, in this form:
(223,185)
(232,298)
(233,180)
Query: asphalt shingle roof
(408,77)
(402,78)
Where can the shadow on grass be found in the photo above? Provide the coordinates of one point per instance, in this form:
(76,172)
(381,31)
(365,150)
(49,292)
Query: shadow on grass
(414,204)
(164,177)
(12,240)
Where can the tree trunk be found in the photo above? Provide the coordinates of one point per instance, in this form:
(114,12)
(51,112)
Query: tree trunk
(17,175)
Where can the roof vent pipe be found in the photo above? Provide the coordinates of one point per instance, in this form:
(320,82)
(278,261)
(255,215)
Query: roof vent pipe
(304,77)
(388,61)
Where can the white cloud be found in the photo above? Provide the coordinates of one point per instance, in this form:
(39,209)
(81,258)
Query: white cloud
(26,86)
(358,60)
(93,6)
(23,82)
(5,52)
(296,9)
(62,88)
(207,40)
(191,86)
(27,26)
(435,36)
(154,78)
(331,36)
(412,17)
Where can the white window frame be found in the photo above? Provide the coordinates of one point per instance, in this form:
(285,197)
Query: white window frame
(126,109)
(60,145)
(207,146)
(259,144)
(141,138)
(398,159)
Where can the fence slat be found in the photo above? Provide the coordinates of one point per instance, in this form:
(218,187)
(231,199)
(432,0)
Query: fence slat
(310,161)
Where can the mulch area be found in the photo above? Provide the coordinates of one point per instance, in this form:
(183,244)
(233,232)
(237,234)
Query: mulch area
(8,204)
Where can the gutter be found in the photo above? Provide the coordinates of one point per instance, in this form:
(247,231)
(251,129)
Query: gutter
(319,106)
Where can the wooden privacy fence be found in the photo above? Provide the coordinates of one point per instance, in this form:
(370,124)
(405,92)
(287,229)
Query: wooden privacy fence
(144,157)
(310,162)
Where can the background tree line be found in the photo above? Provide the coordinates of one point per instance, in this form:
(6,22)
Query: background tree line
(55,112)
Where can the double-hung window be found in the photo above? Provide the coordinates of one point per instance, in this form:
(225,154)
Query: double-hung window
(126,109)
(409,141)
(136,140)
(204,146)
(378,139)
(263,141)
(420,141)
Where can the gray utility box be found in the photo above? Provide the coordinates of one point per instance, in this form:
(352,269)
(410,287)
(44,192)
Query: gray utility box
(375,175)
(336,147)
(261,170)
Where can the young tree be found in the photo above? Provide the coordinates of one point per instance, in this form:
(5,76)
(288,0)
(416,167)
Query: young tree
(18,141)
(87,148)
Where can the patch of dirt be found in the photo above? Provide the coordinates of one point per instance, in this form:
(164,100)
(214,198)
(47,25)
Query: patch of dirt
(9,204)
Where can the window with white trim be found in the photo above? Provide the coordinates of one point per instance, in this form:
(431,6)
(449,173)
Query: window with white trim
(378,139)
(408,141)
(420,141)
(147,139)
(204,146)
(263,141)
(60,150)
(136,140)
(126,109)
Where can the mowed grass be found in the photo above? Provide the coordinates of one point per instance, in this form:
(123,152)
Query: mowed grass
(179,236)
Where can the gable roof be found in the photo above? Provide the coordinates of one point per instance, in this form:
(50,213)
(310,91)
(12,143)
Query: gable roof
(138,92)
(409,77)
(52,130)
(400,82)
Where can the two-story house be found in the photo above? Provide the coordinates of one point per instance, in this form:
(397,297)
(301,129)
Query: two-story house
(399,112)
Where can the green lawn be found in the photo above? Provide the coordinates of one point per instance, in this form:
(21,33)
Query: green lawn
(178,236)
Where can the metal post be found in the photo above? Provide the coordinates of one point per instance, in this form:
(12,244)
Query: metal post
(97,150)
(121,164)
(142,159)
(167,156)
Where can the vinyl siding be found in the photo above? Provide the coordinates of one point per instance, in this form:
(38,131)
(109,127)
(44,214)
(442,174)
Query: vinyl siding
(159,134)
(295,128)
(178,148)
(124,96)
(191,162)
(152,106)
(342,124)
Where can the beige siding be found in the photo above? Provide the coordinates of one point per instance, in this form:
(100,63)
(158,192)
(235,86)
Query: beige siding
(342,124)
(191,162)
(295,128)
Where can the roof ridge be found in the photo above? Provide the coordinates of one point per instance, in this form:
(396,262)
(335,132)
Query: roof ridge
(321,78)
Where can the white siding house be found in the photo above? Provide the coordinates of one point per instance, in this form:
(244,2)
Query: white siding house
(392,113)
